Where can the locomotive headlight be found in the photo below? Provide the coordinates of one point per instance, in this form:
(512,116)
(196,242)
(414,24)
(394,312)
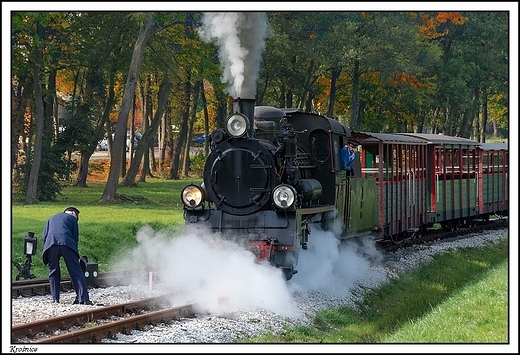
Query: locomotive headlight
(284,196)
(192,196)
(237,125)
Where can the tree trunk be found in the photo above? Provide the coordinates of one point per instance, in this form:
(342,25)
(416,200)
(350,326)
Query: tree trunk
(147,111)
(81,179)
(354,105)
(484,116)
(109,194)
(24,89)
(31,196)
(206,118)
(183,131)
(194,102)
(148,135)
(332,99)
(83,169)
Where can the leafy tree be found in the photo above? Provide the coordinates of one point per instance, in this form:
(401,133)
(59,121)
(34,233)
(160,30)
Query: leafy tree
(473,64)
(384,44)
(97,40)
(39,33)
(375,71)
(293,69)
(147,26)
(32,185)
(483,48)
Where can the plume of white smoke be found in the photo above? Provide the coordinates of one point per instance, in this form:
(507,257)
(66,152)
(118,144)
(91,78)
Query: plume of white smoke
(240,37)
(332,266)
(218,275)
(222,277)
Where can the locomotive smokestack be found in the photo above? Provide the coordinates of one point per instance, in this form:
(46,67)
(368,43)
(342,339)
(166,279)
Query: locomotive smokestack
(247,108)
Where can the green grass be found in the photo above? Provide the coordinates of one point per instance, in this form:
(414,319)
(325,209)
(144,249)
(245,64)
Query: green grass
(487,299)
(105,229)
(459,297)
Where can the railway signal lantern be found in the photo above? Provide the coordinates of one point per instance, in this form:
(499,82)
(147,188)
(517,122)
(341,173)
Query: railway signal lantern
(29,249)
(30,244)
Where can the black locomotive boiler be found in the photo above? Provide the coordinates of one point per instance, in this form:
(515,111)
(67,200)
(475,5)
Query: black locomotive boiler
(272,174)
(269,176)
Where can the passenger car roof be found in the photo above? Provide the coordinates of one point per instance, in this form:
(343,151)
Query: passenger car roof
(493,146)
(371,137)
(442,139)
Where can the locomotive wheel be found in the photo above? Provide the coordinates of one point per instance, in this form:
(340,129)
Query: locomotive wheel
(450,226)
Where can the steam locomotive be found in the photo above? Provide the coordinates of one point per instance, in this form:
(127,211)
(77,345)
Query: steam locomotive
(272,174)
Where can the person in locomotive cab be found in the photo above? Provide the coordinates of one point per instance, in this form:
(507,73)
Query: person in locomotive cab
(347,155)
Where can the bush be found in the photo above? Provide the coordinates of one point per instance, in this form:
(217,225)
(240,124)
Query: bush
(197,163)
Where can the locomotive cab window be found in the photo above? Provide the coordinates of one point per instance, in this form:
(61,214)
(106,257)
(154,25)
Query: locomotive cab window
(320,147)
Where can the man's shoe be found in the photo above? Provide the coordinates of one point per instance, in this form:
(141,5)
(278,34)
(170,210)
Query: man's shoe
(55,301)
(88,303)
(75,301)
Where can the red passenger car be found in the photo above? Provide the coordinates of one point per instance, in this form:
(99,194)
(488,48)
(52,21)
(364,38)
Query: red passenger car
(399,164)
(452,175)
(493,188)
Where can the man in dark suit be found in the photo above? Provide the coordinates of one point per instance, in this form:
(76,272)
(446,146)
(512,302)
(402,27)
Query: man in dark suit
(60,239)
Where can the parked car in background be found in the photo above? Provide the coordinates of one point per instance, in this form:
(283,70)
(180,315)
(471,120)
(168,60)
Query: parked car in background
(200,139)
(102,145)
(137,138)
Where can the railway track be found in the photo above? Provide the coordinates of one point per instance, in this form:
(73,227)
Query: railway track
(432,235)
(93,325)
(40,286)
